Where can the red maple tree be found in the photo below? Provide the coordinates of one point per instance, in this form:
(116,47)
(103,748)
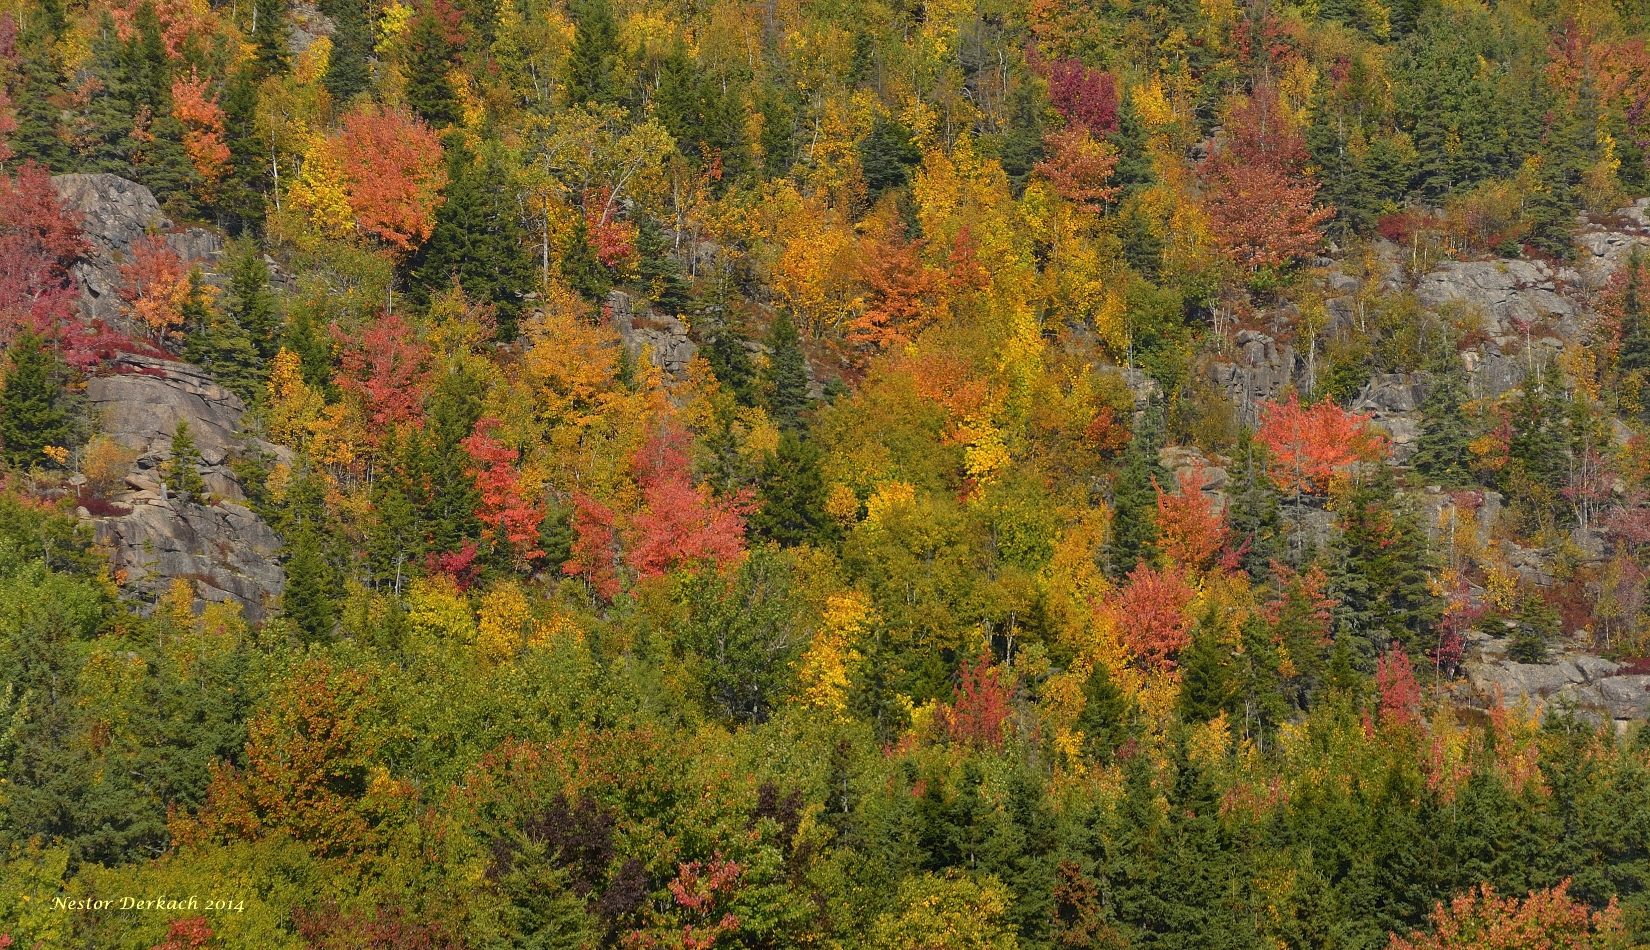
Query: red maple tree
(1262,207)
(1078,168)
(387,367)
(1310,446)
(391,163)
(681,525)
(1083,96)
(593,555)
(1548,919)
(980,705)
(510,520)
(39,242)
(1150,614)
(1190,530)
(901,292)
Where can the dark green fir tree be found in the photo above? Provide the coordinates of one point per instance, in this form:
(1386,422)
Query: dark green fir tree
(786,380)
(32,412)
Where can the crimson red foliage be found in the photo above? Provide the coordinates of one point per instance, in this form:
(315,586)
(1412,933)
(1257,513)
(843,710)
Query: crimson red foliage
(681,525)
(1395,682)
(980,705)
(593,555)
(511,519)
(186,934)
(386,928)
(388,368)
(1083,96)
(39,241)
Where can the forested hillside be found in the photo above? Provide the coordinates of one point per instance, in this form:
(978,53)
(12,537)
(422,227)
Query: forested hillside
(941,475)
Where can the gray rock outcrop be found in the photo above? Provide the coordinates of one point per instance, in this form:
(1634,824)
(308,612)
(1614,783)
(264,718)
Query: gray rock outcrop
(1592,687)
(222,547)
(662,337)
(1504,291)
(1262,371)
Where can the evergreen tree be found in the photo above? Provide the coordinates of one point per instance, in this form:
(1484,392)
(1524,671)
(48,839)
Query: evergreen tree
(478,241)
(1633,355)
(33,92)
(887,155)
(395,545)
(724,343)
(1134,500)
(182,471)
(429,62)
(307,598)
(580,266)
(1108,717)
(348,74)
(1380,572)
(217,343)
(252,303)
(676,101)
(1537,627)
(1207,685)
(1444,457)
(240,203)
(787,375)
(1253,510)
(1258,682)
(792,491)
(272,37)
(595,55)
(656,270)
(32,413)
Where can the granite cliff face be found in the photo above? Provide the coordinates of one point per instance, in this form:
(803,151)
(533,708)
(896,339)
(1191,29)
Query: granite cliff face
(221,547)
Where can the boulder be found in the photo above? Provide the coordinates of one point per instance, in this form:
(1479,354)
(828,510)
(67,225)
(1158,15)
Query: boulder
(1592,687)
(1262,371)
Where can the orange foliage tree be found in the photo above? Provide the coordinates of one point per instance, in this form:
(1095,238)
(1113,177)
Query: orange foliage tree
(1261,205)
(203,129)
(387,368)
(1150,614)
(154,286)
(392,172)
(902,292)
(681,524)
(1547,919)
(1310,445)
(511,518)
(1079,166)
(308,756)
(1190,531)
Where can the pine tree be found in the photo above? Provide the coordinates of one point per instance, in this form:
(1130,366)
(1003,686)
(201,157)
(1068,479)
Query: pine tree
(595,54)
(656,270)
(182,471)
(240,203)
(1380,572)
(1253,510)
(1207,684)
(787,375)
(32,414)
(307,598)
(676,101)
(478,241)
(887,155)
(1108,714)
(33,92)
(271,35)
(218,344)
(792,491)
(1259,683)
(252,303)
(580,266)
(1445,457)
(395,545)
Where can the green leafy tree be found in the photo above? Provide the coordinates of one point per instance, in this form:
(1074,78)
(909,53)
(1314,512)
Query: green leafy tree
(429,65)
(272,37)
(348,74)
(1537,627)
(1134,500)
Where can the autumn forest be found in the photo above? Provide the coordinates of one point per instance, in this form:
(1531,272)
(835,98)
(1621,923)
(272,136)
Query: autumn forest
(855,474)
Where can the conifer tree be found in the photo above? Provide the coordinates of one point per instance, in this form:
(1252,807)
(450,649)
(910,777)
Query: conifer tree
(272,36)
(478,242)
(590,65)
(787,375)
(656,270)
(347,73)
(1379,572)
(307,598)
(429,62)
(1253,510)
(1207,684)
(182,471)
(1444,456)
(32,414)
(1537,627)
(792,492)
(1108,714)
(1134,500)
(217,343)
(580,266)
(887,155)
(252,303)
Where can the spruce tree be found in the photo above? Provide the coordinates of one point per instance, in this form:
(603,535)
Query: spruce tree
(478,241)
(792,491)
(347,73)
(1253,510)
(429,62)
(182,470)
(307,598)
(1108,714)
(724,343)
(215,342)
(1134,500)
(580,267)
(787,375)
(1537,626)
(1207,684)
(1380,572)
(32,414)
(1445,456)
(676,101)
(656,270)
(252,303)
(887,155)
(36,137)
(595,55)
(271,35)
